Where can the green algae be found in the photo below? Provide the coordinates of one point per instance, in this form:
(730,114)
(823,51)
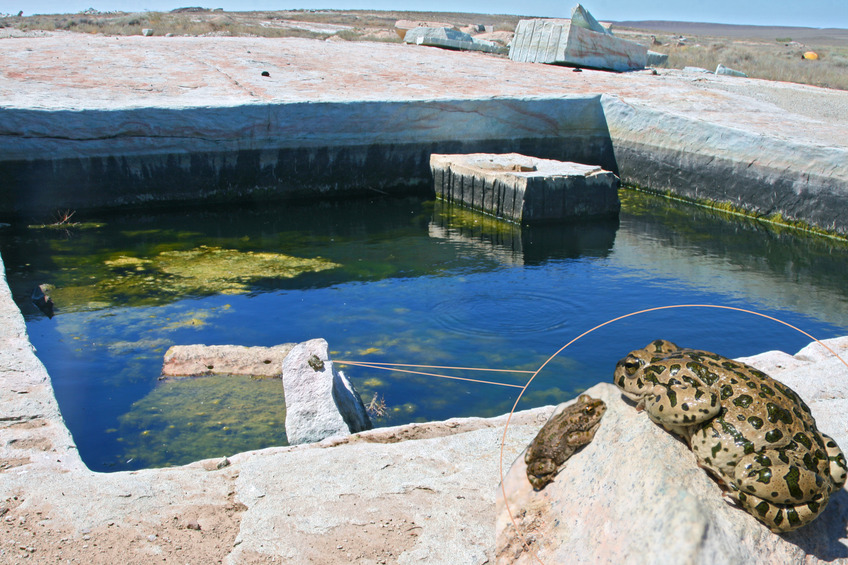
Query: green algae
(173,274)
(183,420)
(633,200)
(462,218)
(67,226)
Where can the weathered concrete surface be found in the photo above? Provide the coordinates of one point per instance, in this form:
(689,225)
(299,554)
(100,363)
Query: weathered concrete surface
(199,360)
(525,189)
(138,119)
(634,477)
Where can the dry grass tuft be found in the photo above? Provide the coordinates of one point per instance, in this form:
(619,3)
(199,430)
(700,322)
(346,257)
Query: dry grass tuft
(377,407)
(356,25)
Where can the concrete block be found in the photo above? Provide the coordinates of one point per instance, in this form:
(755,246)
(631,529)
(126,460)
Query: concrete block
(525,189)
(403,26)
(727,71)
(449,38)
(656,59)
(560,42)
(580,16)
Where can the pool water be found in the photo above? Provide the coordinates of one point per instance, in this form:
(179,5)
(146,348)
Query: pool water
(390,281)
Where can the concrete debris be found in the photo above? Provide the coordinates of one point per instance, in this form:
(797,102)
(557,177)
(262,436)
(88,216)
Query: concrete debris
(578,42)
(726,71)
(581,17)
(696,70)
(655,59)
(403,26)
(449,38)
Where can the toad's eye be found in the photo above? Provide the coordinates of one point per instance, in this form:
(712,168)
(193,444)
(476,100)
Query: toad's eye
(630,367)
(589,410)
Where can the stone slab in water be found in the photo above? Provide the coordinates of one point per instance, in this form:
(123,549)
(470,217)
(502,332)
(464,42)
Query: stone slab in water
(525,189)
(560,42)
(200,360)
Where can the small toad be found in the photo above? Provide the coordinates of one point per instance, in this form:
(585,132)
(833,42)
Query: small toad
(560,437)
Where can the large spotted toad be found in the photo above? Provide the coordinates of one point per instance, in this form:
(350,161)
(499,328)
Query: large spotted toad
(562,435)
(750,431)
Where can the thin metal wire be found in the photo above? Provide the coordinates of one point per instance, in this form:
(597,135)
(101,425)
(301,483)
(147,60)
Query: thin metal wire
(389,368)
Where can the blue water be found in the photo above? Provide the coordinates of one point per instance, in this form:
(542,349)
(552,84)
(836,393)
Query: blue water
(415,284)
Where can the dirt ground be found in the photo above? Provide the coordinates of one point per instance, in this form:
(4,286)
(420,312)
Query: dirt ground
(203,535)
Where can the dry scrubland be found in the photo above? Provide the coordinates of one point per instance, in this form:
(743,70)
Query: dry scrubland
(779,58)
(767,53)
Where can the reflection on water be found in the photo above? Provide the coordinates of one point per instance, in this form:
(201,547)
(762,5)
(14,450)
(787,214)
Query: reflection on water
(392,281)
(750,260)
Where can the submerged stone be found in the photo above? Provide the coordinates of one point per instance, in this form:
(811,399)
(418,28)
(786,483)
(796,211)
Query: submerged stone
(199,360)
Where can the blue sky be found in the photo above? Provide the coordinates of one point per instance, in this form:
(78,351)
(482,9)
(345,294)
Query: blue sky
(810,13)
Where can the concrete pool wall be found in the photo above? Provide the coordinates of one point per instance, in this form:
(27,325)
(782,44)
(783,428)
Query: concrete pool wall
(98,159)
(104,159)
(93,122)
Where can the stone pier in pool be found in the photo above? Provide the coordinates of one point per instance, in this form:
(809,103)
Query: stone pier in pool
(525,189)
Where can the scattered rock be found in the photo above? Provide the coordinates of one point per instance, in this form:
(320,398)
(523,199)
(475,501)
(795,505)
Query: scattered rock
(42,300)
(726,71)
(580,41)
(320,401)
(581,17)
(202,360)
(403,26)
(655,58)
(147,32)
(449,38)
